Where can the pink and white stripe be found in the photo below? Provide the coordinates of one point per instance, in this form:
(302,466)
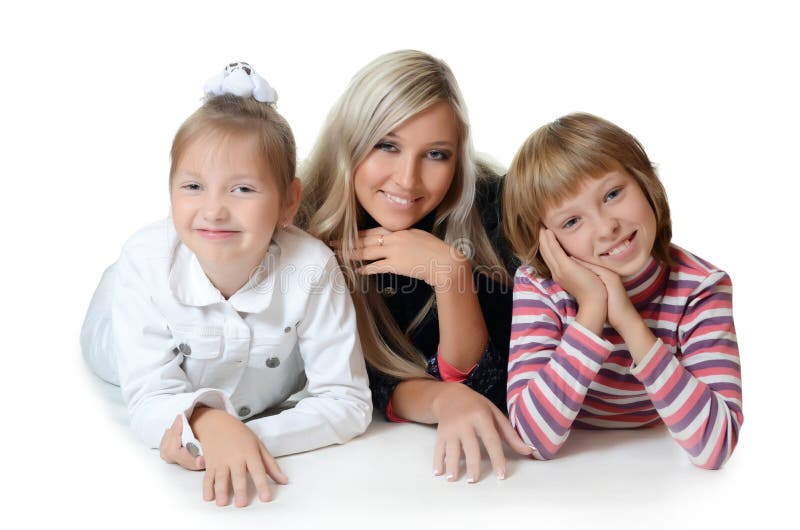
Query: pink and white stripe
(561,375)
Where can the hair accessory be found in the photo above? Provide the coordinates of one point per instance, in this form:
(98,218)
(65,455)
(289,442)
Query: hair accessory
(240,79)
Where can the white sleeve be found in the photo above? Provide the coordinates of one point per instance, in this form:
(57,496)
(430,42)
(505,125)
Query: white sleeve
(340,405)
(154,386)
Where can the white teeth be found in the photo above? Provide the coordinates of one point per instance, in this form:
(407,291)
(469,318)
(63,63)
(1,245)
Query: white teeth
(616,250)
(397,200)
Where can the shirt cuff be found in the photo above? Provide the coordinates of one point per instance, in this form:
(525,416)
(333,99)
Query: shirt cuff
(654,365)
(449,372)
(210,398)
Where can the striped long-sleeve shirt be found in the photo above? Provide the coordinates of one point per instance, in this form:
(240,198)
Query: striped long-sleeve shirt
(561,375)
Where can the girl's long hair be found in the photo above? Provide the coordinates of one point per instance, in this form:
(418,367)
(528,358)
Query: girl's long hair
(385,93)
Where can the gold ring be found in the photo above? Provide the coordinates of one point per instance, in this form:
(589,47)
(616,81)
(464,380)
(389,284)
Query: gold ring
(380,240)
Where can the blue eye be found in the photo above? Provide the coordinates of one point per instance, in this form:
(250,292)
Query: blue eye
(572,221)
(386,146)
(438,155)
(613,194)
(244,189)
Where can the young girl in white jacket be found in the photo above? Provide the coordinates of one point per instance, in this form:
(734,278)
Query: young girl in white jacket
(224,310)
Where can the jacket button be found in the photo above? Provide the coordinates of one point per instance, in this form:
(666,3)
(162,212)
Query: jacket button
(192,448)
(273,362)
(244,411)
(389,291)
(184,348)
(287,329)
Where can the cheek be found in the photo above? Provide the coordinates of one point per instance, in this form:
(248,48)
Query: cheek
(438,181)
(181,210)
(577,246)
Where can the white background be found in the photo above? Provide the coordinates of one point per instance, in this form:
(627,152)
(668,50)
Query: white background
(92,94)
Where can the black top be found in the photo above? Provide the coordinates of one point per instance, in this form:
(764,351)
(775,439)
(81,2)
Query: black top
(405,296)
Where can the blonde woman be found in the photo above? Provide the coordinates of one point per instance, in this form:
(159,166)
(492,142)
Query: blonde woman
(394,185)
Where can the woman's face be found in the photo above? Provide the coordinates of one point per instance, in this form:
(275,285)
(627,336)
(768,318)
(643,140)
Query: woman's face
(409,171)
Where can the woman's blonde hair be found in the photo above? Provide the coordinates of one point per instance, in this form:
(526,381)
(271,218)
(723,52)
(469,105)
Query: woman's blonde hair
(385,93)
(232,115)
(553,164)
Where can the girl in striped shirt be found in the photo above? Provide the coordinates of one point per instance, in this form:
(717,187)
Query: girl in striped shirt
(613,326)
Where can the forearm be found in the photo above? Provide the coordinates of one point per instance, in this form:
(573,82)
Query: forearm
(637,336)
(547,386)
(462,329)
(702,412)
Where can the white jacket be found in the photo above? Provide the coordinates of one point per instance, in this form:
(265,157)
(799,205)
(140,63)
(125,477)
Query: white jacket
(179,343)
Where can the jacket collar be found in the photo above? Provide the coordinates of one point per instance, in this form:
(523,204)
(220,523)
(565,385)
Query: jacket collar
(190,285)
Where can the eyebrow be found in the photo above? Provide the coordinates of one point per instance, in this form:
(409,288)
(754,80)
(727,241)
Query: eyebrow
(443,143)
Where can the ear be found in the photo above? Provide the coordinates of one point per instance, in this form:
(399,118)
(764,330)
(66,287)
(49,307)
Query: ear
(291,202)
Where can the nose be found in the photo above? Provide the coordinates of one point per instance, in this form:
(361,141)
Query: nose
(214,208)
(607,226)
(407,172)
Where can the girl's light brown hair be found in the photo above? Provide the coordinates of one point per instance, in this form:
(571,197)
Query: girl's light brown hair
(553,164)
(232,115)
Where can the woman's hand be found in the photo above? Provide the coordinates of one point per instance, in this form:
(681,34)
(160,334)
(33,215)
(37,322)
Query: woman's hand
(464,417)
(414,253)
(232,452)
(173,452)
(578,280)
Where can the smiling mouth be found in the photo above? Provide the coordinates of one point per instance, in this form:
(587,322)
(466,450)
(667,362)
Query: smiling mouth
(398,200)
(216,234)
(620,248)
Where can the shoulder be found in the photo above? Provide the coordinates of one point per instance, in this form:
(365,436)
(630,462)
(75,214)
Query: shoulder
(692,273)
(301,250)
(488,195)
(152,241)
(526,279)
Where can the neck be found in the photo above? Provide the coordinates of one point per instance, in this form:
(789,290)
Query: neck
(229,278)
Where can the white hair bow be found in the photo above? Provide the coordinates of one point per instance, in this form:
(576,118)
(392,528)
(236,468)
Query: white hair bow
(240,79)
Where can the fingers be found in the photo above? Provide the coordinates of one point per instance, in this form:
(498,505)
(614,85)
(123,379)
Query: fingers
(547,250)
(377,267)
(472,455)
(221,486)
(239,483)
(509,435)
(256,469)
(494,448)
(452,459)
(602,272)
(171,442)
(272,467)
(438,455)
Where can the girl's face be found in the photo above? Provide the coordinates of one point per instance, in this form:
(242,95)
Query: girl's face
(409,171)
(608,223)
(225,200)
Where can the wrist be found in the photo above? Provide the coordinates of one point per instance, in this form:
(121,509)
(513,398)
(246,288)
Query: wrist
(441,397)
(202,417)
(449,273)
(592,317)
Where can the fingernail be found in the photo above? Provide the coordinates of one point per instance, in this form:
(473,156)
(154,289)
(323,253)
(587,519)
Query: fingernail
(437,472)
(501,475)
(471,480)
(450,477)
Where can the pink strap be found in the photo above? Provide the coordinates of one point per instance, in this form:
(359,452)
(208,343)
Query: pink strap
(449,372)
(391,415)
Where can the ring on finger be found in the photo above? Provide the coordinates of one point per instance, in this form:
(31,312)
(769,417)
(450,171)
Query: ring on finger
(380,240)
